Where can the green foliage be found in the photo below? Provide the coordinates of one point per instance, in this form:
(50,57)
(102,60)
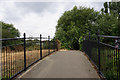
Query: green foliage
(75,23)
(47,45)
(114,9)
(9,31)
(107,24)
(106,7)
(80,42)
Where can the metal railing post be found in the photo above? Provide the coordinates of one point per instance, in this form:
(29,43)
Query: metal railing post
(24,51)
(40,46)
(48,44)
(118,64)
(89,47)
(99,50)
(54,46)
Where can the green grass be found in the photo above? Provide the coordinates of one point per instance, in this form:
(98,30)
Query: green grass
(107,60)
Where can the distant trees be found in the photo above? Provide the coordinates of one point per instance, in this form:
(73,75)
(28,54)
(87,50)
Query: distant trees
(9,31)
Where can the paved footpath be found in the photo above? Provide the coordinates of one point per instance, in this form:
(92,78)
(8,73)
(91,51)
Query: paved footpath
(62,64)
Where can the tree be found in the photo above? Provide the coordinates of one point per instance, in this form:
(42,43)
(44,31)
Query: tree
(75,23)
(107,24)
(9,31)
(114,9)
(106,7)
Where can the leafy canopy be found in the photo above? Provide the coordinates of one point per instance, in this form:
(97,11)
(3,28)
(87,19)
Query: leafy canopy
(75,23)
(9,31)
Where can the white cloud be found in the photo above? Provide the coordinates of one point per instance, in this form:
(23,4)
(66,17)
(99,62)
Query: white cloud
(36,24)
(37,19)
(58,0)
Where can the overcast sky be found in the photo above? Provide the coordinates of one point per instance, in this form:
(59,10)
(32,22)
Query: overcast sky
(36,17)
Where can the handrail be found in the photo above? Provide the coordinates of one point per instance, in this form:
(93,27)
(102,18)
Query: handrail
(116,37)
(10,39)
(107,45)
(5,39)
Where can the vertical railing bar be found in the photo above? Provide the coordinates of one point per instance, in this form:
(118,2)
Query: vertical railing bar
(15,64)
(12,70)
(99,49)
(48,44)
(28,56)
(116,64)
(4,61)
(115,61)
(54,45)
(119,64)
(23,55)
(21,62)
(110,56)
(11,62)
(8,64)
(113,58)
(40,47)
(1,62)
(104,55)
(24,51)
(89,47)
(30,59)
(32,55)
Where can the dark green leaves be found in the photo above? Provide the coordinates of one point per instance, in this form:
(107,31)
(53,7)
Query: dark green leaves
(9,31)
(73,24)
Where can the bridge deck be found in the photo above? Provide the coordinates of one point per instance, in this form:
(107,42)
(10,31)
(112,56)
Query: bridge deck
(62,64)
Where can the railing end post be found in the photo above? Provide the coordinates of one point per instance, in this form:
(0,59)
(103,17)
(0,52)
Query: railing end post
(99,50)
(24,51)
(40,46)
(48,44)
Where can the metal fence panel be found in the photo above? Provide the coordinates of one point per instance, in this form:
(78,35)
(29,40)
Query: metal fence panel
(21,53)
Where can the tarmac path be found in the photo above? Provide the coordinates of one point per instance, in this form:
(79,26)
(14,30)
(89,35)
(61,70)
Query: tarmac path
(62,64)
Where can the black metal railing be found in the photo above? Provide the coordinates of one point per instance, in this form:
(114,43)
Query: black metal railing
(20,53)
(106,57)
